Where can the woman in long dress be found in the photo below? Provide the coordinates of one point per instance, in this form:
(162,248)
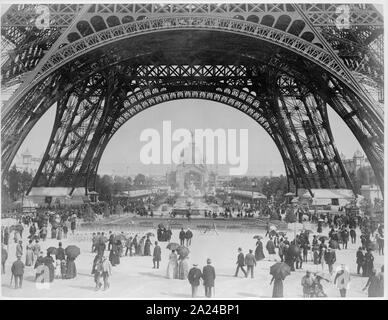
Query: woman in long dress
(172,267)
(142,245)
(71,270)
(259,254)
(277,287)
(183,268)
(29,254)
(147,247)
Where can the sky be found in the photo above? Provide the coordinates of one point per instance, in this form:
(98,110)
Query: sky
(122,155)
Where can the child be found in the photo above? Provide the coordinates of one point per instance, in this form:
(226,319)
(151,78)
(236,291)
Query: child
(58,273)
(63,269)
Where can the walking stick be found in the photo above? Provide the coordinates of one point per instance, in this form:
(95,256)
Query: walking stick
(11,279)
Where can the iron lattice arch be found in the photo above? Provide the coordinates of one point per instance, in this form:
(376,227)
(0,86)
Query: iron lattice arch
(281,71)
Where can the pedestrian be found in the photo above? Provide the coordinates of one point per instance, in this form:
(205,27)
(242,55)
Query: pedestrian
(111,240)
(381,279)
(29,254)
(209,276)
(182,236)
(259,253)
(94,241)
(17,270)
(106,272)
(73,224)
(307,284)
(250,262)
(128,245)
(4,257)
(368,265)
(172,267)
(71,270)
(194,278)
(97,271)
(270,246)
(345,238)
(281,249)
(360,260)
(65,231)
(330,258)
(49,262)
(318,288)
(157,255)
(188,236)
(342,280)
(373,285)
(19,248)
(183,267)
(141,246)
(60,253)
(277,291)
(147,246)
(114,256)
(380,243)
(353,235)
(240,263)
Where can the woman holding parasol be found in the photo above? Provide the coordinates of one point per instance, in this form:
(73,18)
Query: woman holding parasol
(279,271)
(72,252)
(183,264)
(172,267)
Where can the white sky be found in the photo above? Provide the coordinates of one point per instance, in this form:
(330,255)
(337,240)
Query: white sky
(122,153)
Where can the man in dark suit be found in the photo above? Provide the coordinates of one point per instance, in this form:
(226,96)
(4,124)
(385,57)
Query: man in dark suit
(18,271)
(182,237)
(188,236)
(240,263)
(208,275)
(194,277)
(60,254)
(157,256)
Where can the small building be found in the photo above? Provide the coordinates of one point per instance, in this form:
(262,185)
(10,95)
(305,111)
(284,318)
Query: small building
(331,197)
(371,192)
(45,196)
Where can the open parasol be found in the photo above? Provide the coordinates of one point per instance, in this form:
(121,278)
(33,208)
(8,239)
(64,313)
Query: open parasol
(321,220)
(272,228)
(323,238)
(182,251)
(52,250)
(72,251)
(294,250)
(280,270)
(173,246)
(150,234)
(258,237)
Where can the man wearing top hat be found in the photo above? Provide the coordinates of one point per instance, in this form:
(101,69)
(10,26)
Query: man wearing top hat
(208,275)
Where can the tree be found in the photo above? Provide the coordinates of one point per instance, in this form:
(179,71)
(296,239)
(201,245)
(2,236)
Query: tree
(140,180)
(104,187)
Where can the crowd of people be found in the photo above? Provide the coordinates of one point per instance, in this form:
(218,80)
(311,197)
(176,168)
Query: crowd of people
(318,249)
